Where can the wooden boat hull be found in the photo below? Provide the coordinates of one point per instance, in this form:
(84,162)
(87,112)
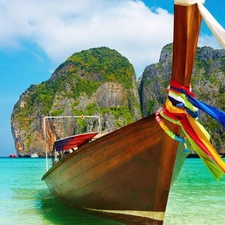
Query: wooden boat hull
(125,175)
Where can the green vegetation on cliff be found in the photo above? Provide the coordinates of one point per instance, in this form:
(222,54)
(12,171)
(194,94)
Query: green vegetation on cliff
(83,72)
(100,63)
(97,81)
(101,82)
(208,83)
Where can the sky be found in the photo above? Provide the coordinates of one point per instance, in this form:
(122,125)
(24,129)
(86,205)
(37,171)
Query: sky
(36,36)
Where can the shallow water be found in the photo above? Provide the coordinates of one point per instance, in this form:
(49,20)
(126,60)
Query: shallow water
(195,199)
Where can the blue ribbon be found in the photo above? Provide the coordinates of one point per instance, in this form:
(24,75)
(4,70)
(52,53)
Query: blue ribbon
(215,113)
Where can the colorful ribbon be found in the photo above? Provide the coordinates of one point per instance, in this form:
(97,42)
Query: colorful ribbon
(170,133)
(196,134)
(196,137)
(215,113)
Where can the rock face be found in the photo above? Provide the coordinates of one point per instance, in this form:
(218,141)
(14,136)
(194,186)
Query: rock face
(208,83)
(102,83)
(154,81)
(97,82)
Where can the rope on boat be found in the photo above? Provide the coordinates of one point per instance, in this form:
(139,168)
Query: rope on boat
(170,133)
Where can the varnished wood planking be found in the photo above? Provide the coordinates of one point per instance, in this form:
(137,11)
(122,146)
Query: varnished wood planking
(125,155)
(120,178)
(169,149)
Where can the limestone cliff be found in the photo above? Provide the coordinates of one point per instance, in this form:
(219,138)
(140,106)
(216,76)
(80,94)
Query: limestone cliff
(97,82)
(101,82)
(208,83)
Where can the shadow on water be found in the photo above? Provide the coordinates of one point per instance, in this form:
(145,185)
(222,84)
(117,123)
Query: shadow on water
(57,213)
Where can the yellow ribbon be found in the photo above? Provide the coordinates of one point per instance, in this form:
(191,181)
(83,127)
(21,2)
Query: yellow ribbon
(216,166)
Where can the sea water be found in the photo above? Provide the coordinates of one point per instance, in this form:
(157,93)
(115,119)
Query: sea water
(196,198)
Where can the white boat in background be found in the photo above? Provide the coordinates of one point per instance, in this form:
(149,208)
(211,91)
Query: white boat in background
(34,155)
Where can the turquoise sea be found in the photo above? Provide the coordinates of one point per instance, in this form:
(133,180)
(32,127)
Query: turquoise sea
(195,199)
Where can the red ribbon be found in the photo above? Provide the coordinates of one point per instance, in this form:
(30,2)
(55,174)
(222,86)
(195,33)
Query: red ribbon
(176,84)
(183,119)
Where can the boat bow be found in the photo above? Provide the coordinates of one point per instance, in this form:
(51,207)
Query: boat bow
(126,175)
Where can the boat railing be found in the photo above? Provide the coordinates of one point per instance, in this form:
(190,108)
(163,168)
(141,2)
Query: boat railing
(63,117)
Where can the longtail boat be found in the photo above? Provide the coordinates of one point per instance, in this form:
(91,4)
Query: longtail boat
(127,174)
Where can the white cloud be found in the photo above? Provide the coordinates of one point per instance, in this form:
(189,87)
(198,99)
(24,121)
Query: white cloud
(61,28)
(206,40)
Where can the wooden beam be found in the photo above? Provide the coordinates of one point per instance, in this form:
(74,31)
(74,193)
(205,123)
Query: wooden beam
(187,22)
